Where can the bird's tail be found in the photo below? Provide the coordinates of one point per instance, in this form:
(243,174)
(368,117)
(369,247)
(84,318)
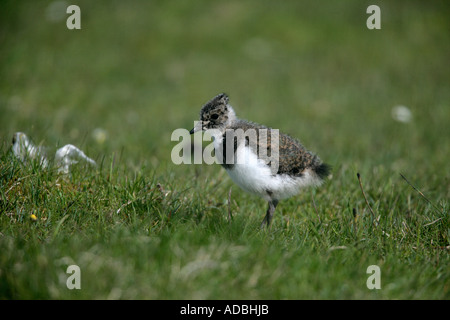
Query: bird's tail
(322,170)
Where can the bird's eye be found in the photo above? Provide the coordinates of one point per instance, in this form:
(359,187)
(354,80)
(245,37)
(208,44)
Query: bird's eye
(214,116)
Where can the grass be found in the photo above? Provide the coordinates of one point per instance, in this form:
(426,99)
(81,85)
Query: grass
(140,227)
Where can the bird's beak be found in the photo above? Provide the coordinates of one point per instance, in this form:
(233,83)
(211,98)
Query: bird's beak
(198,126)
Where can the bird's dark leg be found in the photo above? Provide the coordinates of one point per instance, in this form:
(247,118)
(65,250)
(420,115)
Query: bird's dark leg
(269,214)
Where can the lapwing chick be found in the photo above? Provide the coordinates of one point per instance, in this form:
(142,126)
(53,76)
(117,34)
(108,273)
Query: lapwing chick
(261,160)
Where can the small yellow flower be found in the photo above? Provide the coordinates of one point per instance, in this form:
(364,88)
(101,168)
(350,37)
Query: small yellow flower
(33,217)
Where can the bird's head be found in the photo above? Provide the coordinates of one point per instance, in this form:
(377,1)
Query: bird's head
(215,114)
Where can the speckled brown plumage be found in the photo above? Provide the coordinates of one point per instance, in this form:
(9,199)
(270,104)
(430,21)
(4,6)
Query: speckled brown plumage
(295,167)
(293,157)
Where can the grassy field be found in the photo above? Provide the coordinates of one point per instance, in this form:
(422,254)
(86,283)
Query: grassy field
(140,227)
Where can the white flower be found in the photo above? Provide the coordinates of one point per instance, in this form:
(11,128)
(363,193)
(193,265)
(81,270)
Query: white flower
(401,113)
(99,135)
